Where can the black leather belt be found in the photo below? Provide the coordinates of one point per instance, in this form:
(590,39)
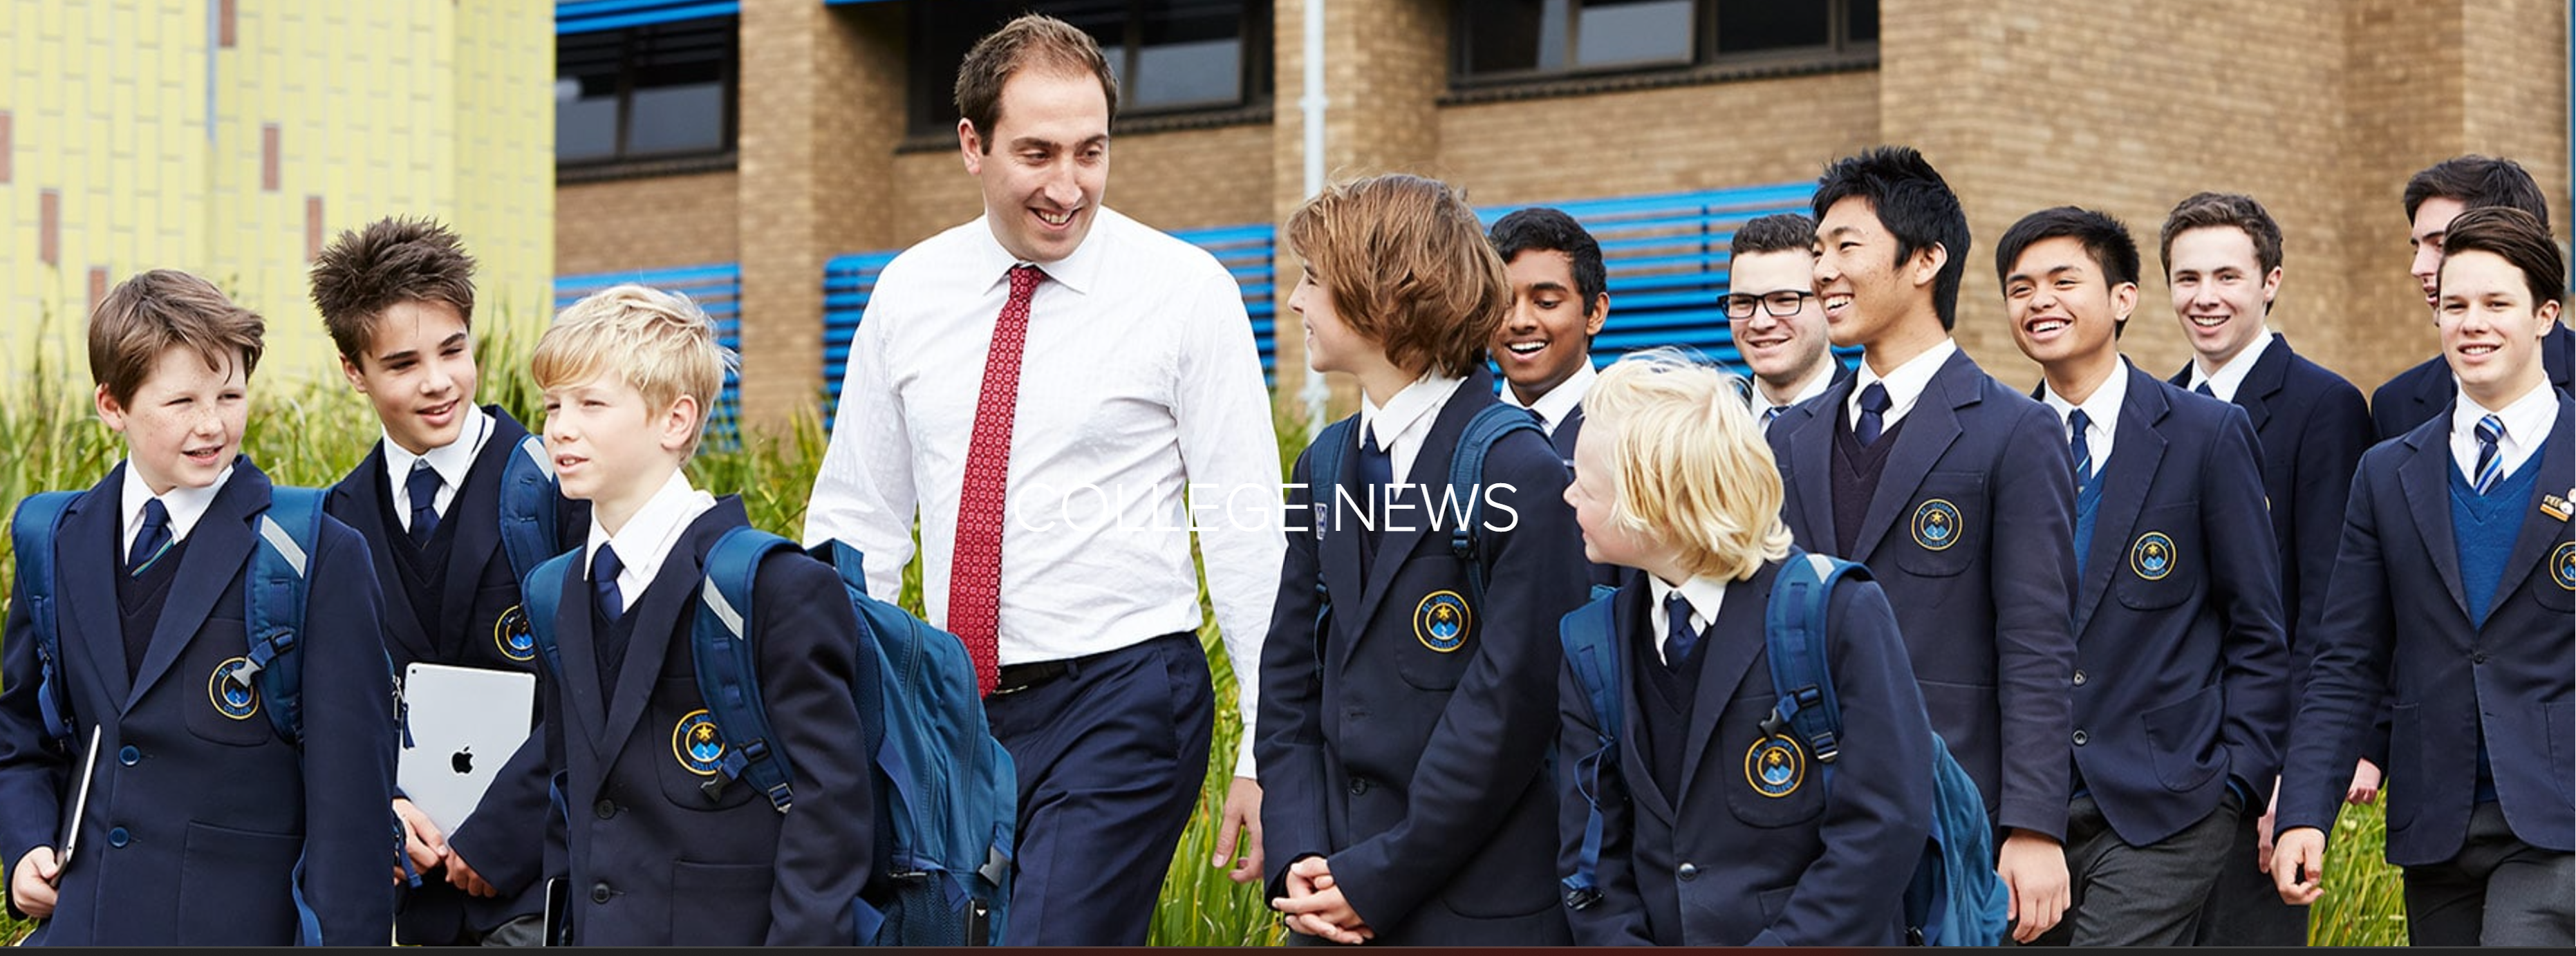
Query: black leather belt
(1014,678)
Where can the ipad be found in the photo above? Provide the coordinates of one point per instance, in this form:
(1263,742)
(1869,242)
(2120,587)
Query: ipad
(460,724)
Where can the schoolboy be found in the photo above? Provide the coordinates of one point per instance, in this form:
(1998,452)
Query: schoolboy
(398,299)
(657,856)
(2452,596)
(2222,260)
(2181,674)
(1560,299)
(1403,749)
(202,822)
(1953,489)
(1773,314)
(1698,849)
(2434,196)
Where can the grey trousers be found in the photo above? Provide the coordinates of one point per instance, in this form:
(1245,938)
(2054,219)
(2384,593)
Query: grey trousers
(2245,908)
(2499,891)
(2126,895)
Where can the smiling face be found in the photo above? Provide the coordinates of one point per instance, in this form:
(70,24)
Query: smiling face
(2065,313)
(1045,163)
(2491,329)
(418,372)
(2220,292)
(1867,293)
(1548,334)
(1783,351)
(185,422)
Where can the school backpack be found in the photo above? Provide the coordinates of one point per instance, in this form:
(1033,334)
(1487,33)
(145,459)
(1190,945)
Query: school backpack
(946,793)
(273,621)
(1466,473)
(528,497)
(1955,899)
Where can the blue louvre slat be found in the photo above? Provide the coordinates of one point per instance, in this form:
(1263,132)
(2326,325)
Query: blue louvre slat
(591,16)
(716,288)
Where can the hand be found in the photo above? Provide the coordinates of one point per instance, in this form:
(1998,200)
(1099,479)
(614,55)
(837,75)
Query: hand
(1314,905)
(32,886)
(463,877)
(2263,830)
(422,840)
(1242,815)
(2299,865)
(2365,783)
(2033,867)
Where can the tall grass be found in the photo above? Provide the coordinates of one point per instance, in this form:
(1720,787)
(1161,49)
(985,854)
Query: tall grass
(312,433)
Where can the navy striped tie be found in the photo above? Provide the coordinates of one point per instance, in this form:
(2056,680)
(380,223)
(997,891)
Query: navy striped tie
(2490,430)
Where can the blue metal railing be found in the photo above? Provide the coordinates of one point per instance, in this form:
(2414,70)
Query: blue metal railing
(715,287)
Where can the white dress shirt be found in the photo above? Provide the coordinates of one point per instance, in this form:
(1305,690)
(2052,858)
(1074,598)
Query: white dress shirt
(1140,377)
(1905,383)
(186,506)
(2526,425)
(2101,411)
(2231,376)
(451,461)
(1405,423)
(647,538)
(1705,595)
(1559,402)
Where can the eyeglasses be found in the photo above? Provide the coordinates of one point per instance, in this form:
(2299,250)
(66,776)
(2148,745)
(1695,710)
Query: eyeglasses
(1781,304)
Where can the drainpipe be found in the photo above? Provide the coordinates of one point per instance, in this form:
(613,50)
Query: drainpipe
(1313,104)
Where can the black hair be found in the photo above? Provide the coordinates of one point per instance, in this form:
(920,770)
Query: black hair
(1540,227)
(1913,203)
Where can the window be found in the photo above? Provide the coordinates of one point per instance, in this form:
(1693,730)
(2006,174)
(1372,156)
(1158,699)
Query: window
(1519,40)
(649,92)
(1171,57)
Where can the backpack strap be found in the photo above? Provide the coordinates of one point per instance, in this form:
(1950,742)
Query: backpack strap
(274,620)
(528,501)
(1466,480)
(1793,627)
(1323,484)
(31,536)
(540,596)
(728,666)
(1587,633)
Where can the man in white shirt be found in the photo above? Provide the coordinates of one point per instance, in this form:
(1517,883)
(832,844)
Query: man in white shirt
(1043,386)
(1774,316)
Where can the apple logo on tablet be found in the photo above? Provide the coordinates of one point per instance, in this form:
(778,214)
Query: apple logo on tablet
(463,761)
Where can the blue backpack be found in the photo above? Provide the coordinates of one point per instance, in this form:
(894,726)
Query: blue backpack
(1466,473)
(1955,899)
(528,498)
(946,793)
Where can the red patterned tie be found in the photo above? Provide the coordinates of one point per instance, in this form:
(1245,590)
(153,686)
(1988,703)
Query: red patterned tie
(975,571)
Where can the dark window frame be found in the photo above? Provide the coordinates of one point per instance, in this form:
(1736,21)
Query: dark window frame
(930,109)
(1840,51)
(622,160)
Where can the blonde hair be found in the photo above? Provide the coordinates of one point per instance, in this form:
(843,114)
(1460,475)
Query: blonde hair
(1691,466)
(657,342)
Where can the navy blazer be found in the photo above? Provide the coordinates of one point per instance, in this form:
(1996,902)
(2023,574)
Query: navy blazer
(654,861)
(481,625)
(1984,610)
(2182,675)
(1715,862)
(196,818)
(1413,757)
(2397,625)
(2416,395)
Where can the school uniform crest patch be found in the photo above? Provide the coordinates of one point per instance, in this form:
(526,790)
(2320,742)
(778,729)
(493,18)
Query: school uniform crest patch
(2152,556)
(235,699)
(512,636)
(696,744)
(1775,766)
(1441,621)
(1937,525)
(2562,565)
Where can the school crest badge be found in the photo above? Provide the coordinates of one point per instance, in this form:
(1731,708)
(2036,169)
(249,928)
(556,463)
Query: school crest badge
(2152,556)
(512,636)
(1937,525)
(2562,565)
(1441,621)
(696,744)
(1774,766)
(236,699)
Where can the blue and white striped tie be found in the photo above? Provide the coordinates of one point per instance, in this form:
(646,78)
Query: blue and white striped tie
(2490,431)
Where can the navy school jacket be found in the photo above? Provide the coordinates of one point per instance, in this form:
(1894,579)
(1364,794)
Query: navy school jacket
(1717,861)
(2397,624)
(1984,608)
(2416,395)
(2181,678)
(197,815)
(653,860)
(1414,757)
(480,624)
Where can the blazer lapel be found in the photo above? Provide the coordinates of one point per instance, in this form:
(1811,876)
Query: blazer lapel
(1929,430)
(2269,375)
(2135,459)
(1428,476)
(217,548)
(1566,432)
(86,564)
(476,509)
(2426,477)
(2538,532)
(579,650)
(1811,449)
(1732,642)
(1635,766)
(673,589)
(364,497)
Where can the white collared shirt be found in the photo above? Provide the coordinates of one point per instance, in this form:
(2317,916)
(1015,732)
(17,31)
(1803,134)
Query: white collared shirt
(451,461)
(1817,382)
(1705,594)
(1559,402)
(647,538)
(2526,425)
(1405,423)
(2231,376)
(1140,377)
(1905,383)
(186,506)
(2101,409)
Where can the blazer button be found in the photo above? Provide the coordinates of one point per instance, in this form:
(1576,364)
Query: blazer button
(1687,871)
(599,892)
(1359,785)
(118,837)
(2079,678)
(2479,657)
(129,756)
(604,808)
(2079,738)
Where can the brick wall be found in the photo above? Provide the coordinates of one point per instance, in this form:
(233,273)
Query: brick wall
(1650,141)
(647,223)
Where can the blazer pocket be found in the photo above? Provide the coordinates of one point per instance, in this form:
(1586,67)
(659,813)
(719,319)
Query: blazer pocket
(1942,530)
(719,904)
(2182,739)
(1769,781)
(1440,636)
(2558,716)
(2153,572)
(214,707)
(686,749)
(232,886)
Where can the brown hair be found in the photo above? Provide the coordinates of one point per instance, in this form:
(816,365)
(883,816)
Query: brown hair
(393,260)
(2476,181)
(163,309)
(1408,266)
(2517,236)
(2213,210)
(1033,40)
